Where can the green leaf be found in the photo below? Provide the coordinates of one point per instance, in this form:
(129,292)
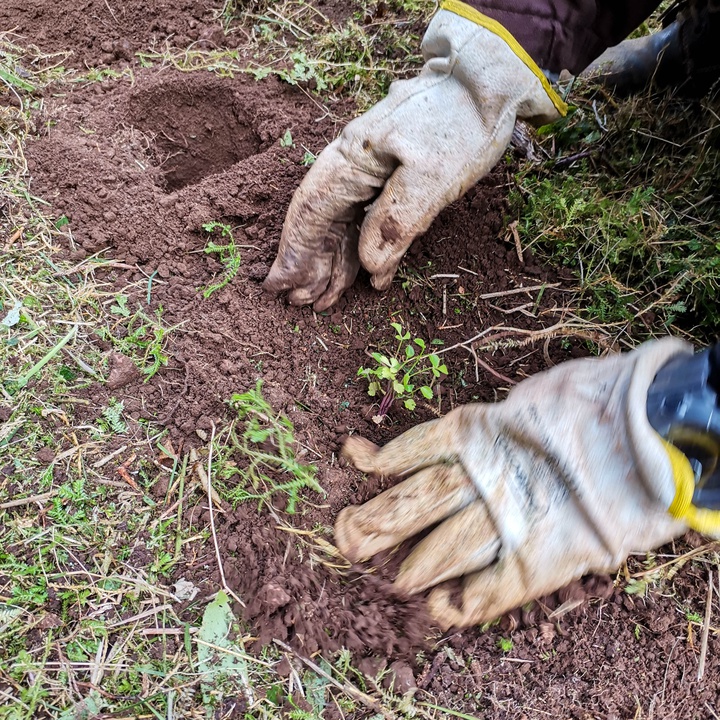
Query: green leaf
(443,369)
(287,140)
(409,351)
(434,360)
(220,659)
(427,392)
(420,343)
(373,388)
(398,387)
(410,404)
(15,80)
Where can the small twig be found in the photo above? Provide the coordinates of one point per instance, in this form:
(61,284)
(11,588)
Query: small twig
(517,291)
(512,227)
(108,458)
(212,521)
(706,627)
(684,557)
(204,479)
(346,687)
(572,158)
(26,500)
(495,373)
(600,123)
(13,238)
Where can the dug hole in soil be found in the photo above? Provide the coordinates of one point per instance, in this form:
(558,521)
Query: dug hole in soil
(137,168)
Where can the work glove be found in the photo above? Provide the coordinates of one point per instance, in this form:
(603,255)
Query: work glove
(563,478)
(423,146)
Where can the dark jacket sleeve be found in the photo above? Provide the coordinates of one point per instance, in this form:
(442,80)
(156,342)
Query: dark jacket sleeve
(567,34)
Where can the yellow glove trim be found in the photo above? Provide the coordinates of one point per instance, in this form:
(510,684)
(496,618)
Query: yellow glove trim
(703,520)
(470,13)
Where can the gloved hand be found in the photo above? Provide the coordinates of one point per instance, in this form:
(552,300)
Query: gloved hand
(564,477)
(423,146)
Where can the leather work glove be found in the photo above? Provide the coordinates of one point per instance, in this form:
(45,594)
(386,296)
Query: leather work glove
(563,478)
(392,170)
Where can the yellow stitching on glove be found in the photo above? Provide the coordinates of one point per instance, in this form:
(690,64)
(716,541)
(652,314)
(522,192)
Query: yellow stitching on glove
(701,519)
(470,13)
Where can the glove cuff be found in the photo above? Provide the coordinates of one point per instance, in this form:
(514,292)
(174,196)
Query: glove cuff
(457,7)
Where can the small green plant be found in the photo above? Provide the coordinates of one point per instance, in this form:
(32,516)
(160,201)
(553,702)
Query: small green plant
(228,254)
(112,418)
(409,370)
(637,586)
(143,340)
(267,464)
(505,644)
(287,140)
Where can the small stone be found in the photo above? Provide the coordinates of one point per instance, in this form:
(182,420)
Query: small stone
(274,596)
(403,680)
(45,455)
(123,371)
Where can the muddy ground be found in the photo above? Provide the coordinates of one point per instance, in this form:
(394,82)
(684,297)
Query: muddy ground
(137,165)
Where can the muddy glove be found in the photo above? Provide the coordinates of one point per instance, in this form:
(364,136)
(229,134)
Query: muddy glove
(431,139)
(563,478)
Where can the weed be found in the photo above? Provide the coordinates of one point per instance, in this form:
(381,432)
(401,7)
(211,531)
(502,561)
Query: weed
(637,587)
(140,337)
(397,376)
(228,254)
(112,421)
(265,446)
(286,140)
(505,644)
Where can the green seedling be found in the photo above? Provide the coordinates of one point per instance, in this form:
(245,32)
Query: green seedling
(408,371)
(112,418)
(287,140)
(144,341)
(505,644)
(267,464)
(228,254)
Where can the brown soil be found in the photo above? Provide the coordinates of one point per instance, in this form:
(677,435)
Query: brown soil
(137,169)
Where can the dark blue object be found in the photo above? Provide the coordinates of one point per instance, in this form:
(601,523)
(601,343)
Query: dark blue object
(683,406)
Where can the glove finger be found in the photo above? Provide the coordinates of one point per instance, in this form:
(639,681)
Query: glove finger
(487,594)
(402,511)
(462,544)
(345,266)
(410,201)
(431,443)
(321,212)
